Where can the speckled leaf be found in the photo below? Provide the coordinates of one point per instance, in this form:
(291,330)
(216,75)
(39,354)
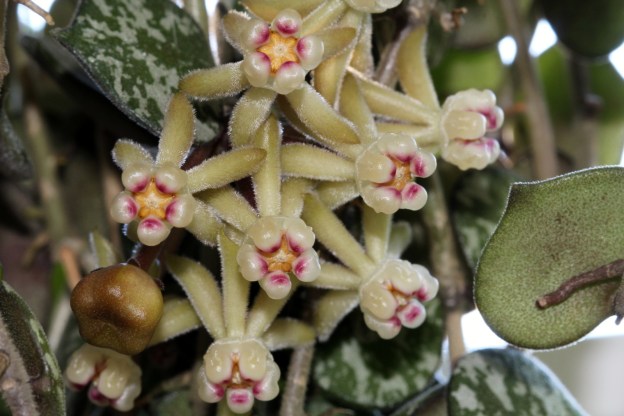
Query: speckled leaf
(358,369)
(431,402)
(507,382)
(30,379)
(551,231)
(478,205)
(136,51)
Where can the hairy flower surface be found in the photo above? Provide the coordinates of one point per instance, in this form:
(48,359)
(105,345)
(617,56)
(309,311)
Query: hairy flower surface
(385,173)
(275,249)
(393,296)
(277,56)
(372,6)
(241,370)
(115,379)
(465,119)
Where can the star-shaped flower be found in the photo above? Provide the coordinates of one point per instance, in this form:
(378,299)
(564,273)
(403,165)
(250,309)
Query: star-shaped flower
(159,194)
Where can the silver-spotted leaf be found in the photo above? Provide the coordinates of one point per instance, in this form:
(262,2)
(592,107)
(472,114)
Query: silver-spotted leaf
(431,402)
(26,363)
(507,382)
(137,51)
(478,204)
(551,231)
(358,369)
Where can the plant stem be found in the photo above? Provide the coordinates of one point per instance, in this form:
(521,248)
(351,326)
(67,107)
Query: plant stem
(293,399)
(567,288)
(446,263)
(542,134)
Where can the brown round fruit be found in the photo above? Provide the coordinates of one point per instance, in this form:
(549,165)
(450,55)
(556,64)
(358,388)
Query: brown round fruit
(117,307)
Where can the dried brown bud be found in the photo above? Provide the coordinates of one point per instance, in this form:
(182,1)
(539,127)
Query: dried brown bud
(117,307)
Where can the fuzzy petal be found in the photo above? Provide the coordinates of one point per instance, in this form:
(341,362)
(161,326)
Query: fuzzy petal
(255,34)
(225,168)
(313,162)
(250,113)
(127,153)
(177,133)
(220,81)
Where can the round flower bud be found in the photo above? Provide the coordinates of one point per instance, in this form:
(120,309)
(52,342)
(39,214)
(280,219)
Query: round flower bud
(117,307)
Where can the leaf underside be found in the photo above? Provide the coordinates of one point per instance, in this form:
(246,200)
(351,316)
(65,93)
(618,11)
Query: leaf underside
(551,231)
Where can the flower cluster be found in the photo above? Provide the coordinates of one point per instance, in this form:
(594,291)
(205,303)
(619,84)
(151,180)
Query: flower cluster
(269,207)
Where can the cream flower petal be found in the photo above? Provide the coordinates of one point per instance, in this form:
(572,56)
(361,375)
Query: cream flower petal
(377,300)
(276,284)
(412,315)
(152,231)
(287,22)
(385,329)
(218,362)
(268,389)
(124,208)
(307,267)
(239,400)
(257,69)
(136,177)
(127,153)
(310,52)
(288,78)
(252,265)
(207,391)
(169,178)
(180,211)
(252,361)
(413,197)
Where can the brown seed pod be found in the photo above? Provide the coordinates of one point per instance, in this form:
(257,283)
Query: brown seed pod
(117,307)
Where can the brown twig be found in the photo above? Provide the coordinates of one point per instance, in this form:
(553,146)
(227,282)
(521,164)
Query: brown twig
(567,288)
(293,400)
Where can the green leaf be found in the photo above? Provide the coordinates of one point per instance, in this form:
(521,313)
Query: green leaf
(507,382)
(464,69)
(478,204)
(551,231)
(358,369)
(431,402)
(177,403)
(26,359)
(137,51)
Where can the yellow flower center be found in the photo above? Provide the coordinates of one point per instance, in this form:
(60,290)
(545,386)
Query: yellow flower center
(152,201)
(282,258)
(280,50)
(402,175)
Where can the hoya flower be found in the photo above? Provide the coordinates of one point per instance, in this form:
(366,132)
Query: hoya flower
(241,370)
(275,249)
(277,56)
(465,119)
(393,297)
(386,170)
(372,6)
(158,194)
(114,378)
